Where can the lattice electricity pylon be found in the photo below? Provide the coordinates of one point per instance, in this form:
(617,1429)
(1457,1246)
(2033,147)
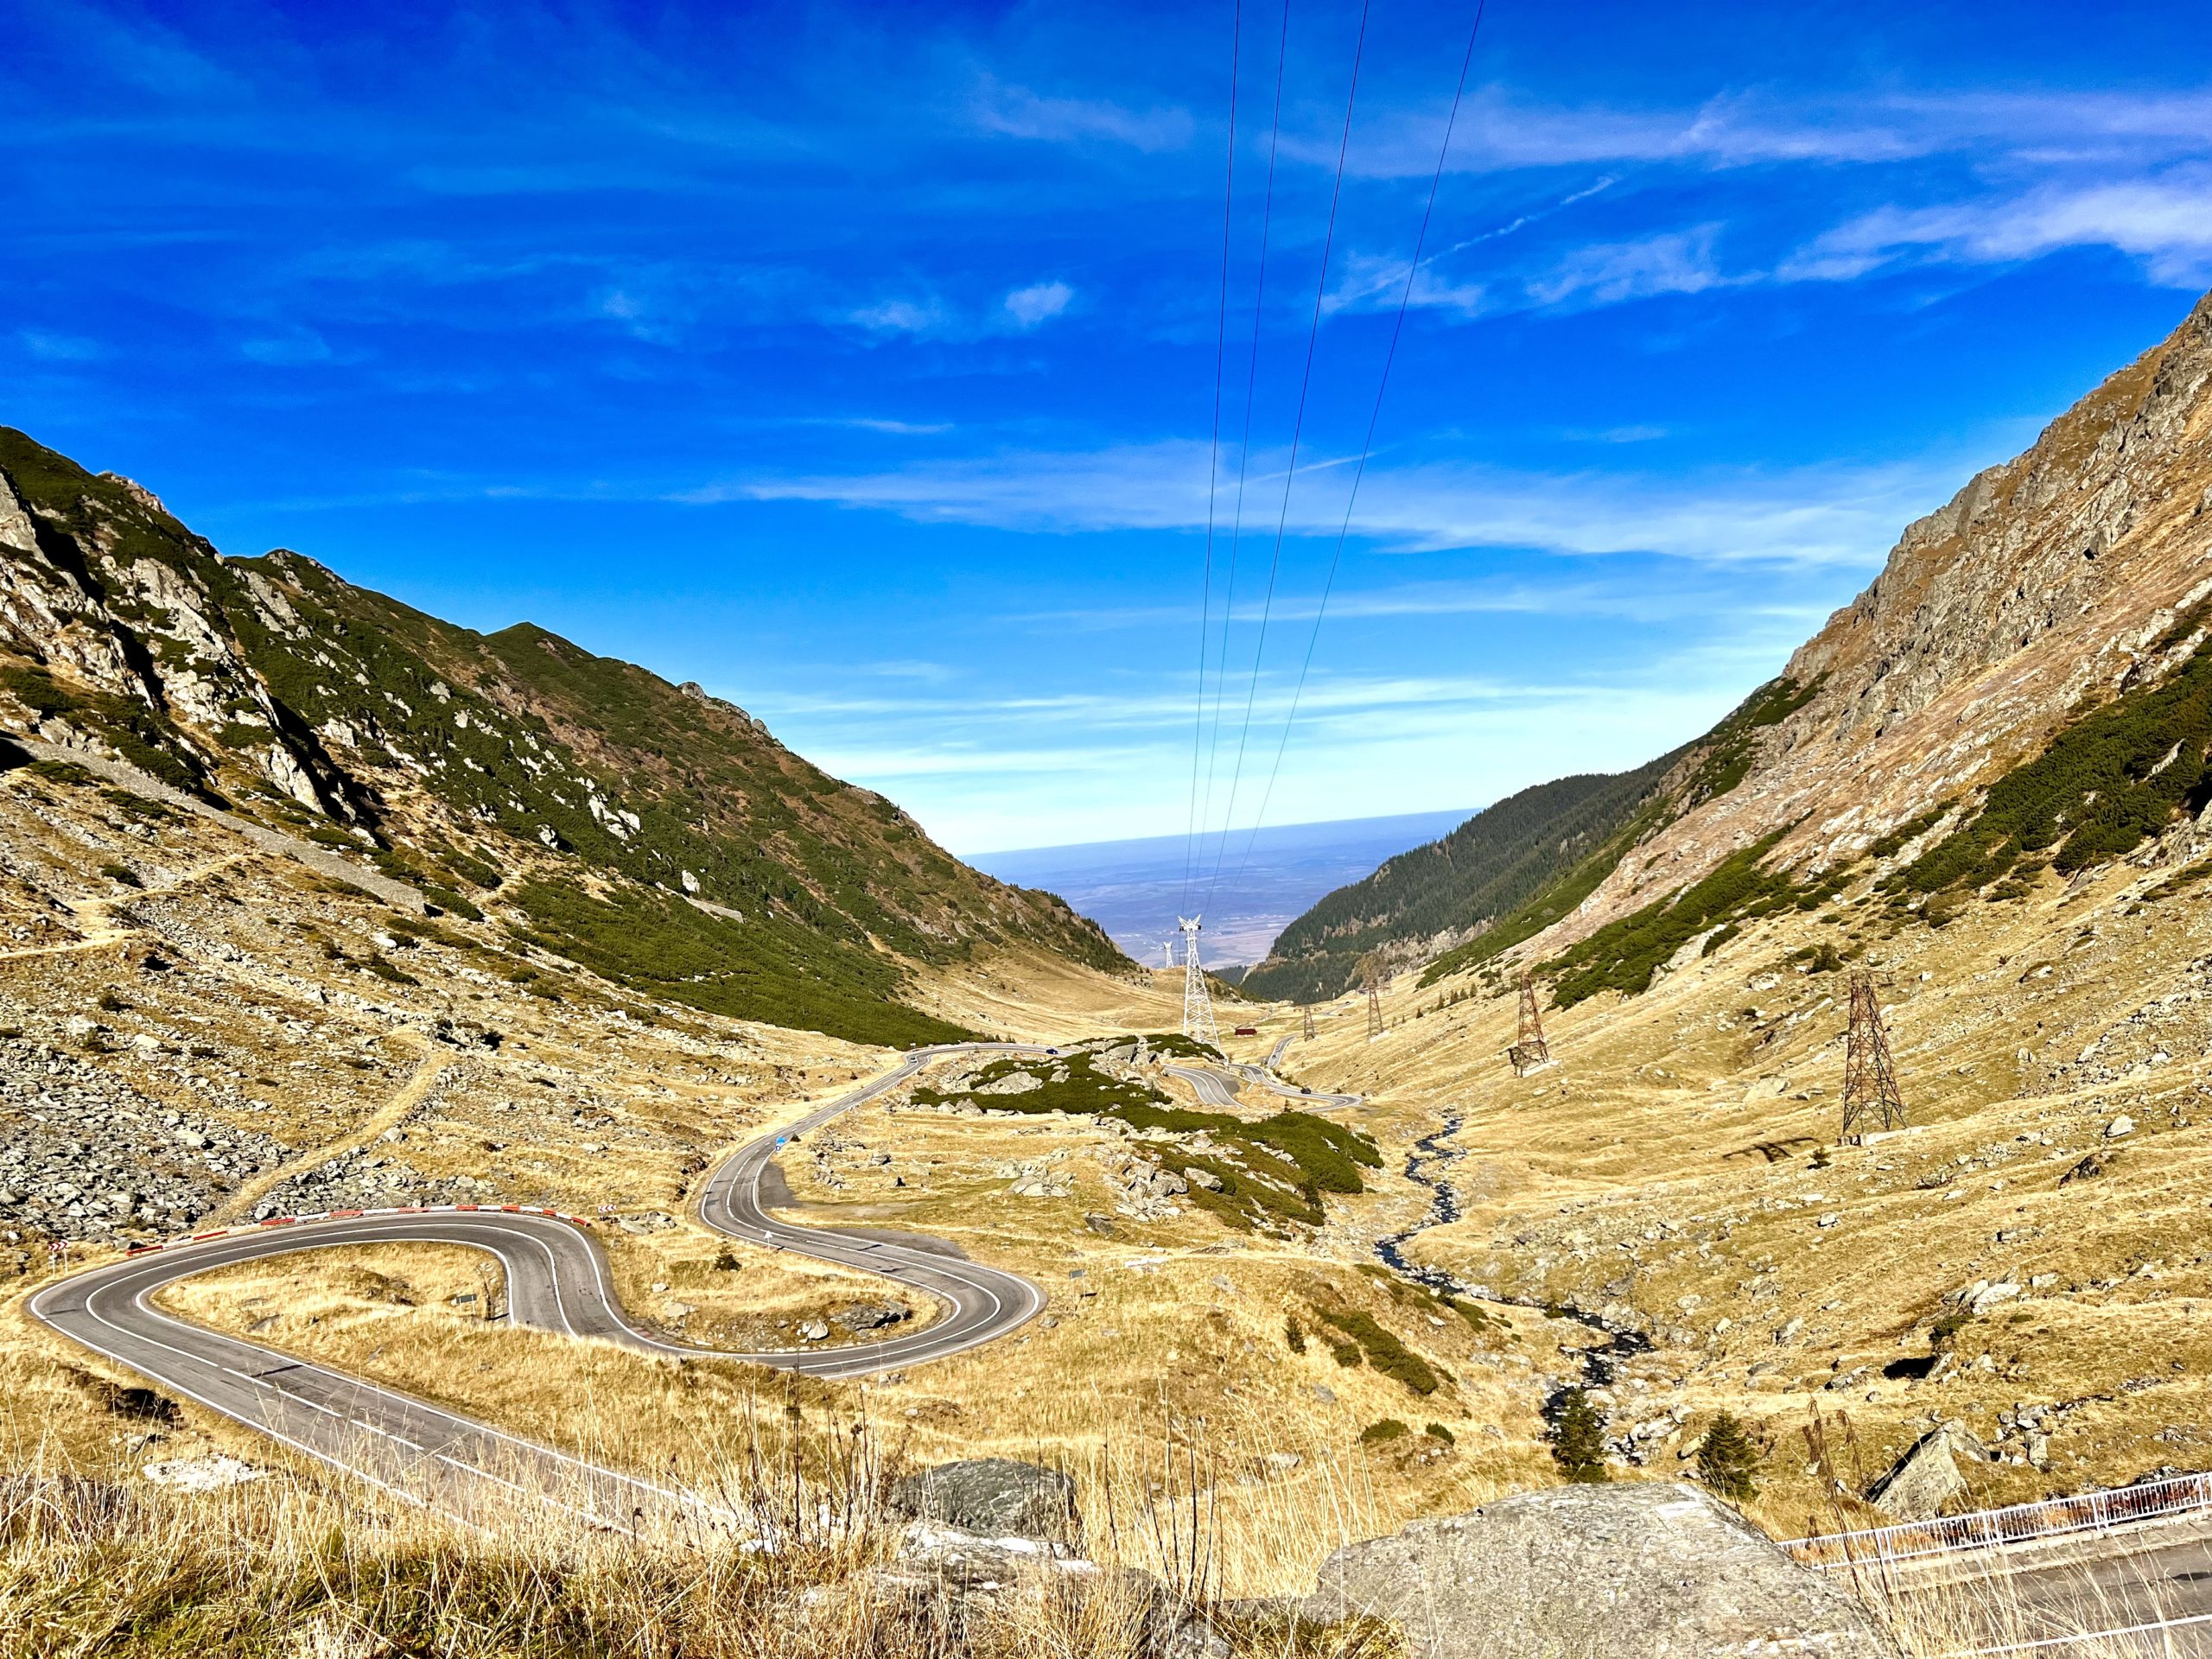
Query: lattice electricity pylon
(1531,1052)
(1870,1077)
(1198,1007)
(1309,1024)
(1370,981)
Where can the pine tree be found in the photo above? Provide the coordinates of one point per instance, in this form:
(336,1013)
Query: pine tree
(1579,1436)
(1729,1459)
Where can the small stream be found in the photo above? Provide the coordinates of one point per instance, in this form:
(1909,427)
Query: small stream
(1424,1167)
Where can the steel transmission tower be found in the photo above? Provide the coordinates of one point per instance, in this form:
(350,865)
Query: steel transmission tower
(1198,1007)
(1531,1052)
(1370,976)
(1309,1024)
(1870,1077)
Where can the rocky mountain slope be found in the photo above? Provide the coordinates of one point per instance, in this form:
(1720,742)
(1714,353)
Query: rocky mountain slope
(2054,586)
(1987,783)
(2018,688)
(660,837)
(1454,888)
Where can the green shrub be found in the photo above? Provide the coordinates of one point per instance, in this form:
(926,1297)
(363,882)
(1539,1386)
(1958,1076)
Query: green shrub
(37,690)
(776,971)
(1293,1335)
(1899,837)
(1729,1459)
(1383,1350)
(1623,955)
(449,898)
(1577,1437)
(1298,1151)
(1437,1432)
(123,874)
(1382,1433)
(2108,782)
(140,735)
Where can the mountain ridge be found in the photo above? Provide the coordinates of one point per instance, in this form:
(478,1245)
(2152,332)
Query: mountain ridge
(2047,587)
(613,813)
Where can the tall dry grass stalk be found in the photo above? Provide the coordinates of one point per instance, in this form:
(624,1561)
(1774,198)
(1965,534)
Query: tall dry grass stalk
(1944,1610)
(772,1554)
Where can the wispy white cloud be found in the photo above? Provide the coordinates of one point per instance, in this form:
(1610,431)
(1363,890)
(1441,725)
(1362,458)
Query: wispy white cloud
(1674,262)
(290,348)
(877,424)
(1018,113)
(1037,302)
(1500,129)
(2165,221)
(51,347)
(1040,772)
(903,316)
(1637,434)
(1813,515)
(933,317)
(915,668)
(1649,603)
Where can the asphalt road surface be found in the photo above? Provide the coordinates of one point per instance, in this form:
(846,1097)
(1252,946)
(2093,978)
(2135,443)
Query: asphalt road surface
(1211,1088)
(2154,1582)
(557,1280)
(1217,1085)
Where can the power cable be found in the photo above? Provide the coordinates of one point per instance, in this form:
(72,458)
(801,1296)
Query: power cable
(1296,433)
(1367,448)
(1244,445)
(1213,463)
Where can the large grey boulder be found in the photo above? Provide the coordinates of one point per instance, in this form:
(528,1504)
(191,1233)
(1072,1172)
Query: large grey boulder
(1636,1570)
(995,1497)
(1926,1480)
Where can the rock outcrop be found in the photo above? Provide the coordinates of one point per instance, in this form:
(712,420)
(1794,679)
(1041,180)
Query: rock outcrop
(995,1496)
(1926,1481)
(2048,586)
(2044,583)
(1648,1570)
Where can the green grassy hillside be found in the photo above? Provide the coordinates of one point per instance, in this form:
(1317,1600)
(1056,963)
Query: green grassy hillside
(655,834)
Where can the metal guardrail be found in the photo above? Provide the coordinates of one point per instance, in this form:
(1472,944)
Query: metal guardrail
(2053,1517)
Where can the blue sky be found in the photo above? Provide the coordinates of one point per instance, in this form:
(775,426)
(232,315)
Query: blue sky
(860,362)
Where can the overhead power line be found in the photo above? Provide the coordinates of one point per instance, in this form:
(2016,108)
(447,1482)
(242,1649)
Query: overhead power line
(1243,458)
(1213,462)
(1297,433)
(1367,446)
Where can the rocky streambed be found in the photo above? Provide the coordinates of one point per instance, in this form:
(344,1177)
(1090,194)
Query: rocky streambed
(1426,1166)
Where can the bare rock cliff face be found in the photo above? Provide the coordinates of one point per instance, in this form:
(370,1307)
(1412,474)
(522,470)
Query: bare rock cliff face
(2045,583)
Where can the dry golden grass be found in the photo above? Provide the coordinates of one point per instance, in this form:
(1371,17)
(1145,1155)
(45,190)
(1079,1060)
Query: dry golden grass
(1033,995)
(1185,1349)
(1633,1174)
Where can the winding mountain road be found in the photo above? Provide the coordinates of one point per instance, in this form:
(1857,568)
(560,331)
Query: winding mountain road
(558,1280)
(1216,1085)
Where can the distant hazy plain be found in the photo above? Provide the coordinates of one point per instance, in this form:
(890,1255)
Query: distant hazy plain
(1136,889)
